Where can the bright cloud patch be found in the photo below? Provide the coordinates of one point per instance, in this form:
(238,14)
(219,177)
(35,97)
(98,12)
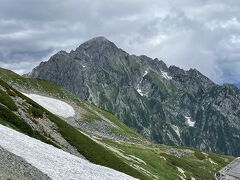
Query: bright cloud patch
(54,162)
(55,106)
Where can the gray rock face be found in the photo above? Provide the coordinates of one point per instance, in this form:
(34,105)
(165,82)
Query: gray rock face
(166,104)
(14,167)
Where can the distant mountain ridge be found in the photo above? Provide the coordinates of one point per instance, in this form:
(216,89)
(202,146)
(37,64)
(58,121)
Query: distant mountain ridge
(166,104)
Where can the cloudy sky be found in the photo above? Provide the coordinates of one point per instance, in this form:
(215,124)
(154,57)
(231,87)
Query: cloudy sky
(201,34)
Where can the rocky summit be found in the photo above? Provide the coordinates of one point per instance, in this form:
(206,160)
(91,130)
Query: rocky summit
(166,104)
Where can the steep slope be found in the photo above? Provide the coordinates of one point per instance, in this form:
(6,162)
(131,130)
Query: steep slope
(57,164)
(15,167)
(166,104)
(26,116)
(154,161)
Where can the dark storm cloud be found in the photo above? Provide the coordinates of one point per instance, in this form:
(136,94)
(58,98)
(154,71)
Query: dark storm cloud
(191,34)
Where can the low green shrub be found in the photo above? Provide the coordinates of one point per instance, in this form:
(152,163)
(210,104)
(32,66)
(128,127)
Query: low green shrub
(12,119)
(4,84)
(7,101)
(11,93)
(8,118)
(188,165)
(199,155)
(217,158)
(92,150)
(35,112)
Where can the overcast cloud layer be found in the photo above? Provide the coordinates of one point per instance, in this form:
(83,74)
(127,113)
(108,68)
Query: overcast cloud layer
(202,34)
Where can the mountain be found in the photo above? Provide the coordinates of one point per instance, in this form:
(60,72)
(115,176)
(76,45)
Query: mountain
(165,104)
(20,113)
(47,112)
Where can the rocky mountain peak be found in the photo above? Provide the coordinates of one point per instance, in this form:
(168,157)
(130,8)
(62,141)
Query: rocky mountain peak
(62,52)
(99,43)
(194,72)
(99,39)
(144,93)
(95,50)
(156,64)
(192,78)
(229,86)
(176,71)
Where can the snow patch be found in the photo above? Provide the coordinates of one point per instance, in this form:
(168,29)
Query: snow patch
(166,76)
(189,121)
(163,158)
(144,171)
(138,86)
(182,172)
(55,106)
(138,159)
(205,153)
(211,161)
(140,92)
(176,129)
(56,163)
(145,73)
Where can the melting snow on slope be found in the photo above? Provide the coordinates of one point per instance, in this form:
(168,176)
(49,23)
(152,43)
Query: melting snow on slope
(182,172)
(55,106)
(140,92)
(145,73)
(176,129)
(189,121)
(54,162)
(138,89)
(165,75)
(211,161)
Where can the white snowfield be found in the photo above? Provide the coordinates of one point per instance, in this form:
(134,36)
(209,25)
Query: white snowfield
(55,163)
(55,106)
(138,89)
(166,76)
(140,92)
(189,121)
(145,73)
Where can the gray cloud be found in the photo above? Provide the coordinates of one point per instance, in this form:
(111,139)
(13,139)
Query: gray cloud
(191,34)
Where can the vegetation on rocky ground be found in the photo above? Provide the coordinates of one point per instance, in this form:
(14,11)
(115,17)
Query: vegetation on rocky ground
(148,159)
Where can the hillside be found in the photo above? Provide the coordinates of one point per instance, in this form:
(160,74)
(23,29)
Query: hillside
(24,115)
(52,161)
(92,129)
(164,104)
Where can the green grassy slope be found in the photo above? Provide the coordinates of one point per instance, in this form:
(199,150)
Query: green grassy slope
(150,161)
(48,88)
(86,146)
